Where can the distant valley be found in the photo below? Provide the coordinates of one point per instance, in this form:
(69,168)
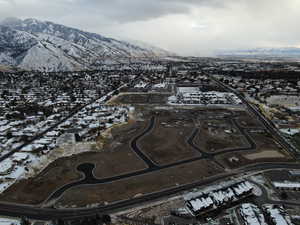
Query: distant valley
(289,52)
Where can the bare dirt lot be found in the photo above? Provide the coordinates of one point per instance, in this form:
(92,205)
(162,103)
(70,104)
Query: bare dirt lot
(128,188)
(265,154)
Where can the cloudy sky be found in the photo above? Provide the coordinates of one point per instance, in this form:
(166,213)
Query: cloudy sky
(187,27)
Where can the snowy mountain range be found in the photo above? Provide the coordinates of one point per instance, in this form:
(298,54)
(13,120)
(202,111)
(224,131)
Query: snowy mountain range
(36,45)
(262,52)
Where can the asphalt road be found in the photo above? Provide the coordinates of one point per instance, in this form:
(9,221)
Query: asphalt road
(152,166)
(266,122)
(48,213)
(136,149)
(265,199)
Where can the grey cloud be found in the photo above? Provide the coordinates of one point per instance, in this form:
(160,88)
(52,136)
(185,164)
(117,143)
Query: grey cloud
(139,10)
(183,26)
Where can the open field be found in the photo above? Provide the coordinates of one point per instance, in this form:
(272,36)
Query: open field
(247,120)
(156,135)
(236,160)
(116,158)
(166,143)
(266,151)
(128,188)
(216,135)
(63,171)
(265,142)
(37,189)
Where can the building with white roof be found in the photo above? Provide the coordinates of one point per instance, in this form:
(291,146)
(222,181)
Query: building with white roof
(243,188)
(218,198)
(277,215)
(200,204)
(19,157)
(6,166)
(287,185)
(32,147)
(192,95)
(252,215)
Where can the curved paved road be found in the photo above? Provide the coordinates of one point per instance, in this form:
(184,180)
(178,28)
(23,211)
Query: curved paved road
(136,149)
(152,167)
(48,213)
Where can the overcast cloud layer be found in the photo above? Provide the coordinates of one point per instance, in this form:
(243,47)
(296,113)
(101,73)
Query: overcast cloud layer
(187,27)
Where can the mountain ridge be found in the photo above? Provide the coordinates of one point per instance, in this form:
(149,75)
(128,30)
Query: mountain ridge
(43,45)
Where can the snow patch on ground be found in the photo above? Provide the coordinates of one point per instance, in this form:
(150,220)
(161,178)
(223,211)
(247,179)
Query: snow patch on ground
(9,221)
(290,131)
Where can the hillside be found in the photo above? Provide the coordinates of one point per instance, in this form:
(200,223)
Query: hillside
(36,45)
